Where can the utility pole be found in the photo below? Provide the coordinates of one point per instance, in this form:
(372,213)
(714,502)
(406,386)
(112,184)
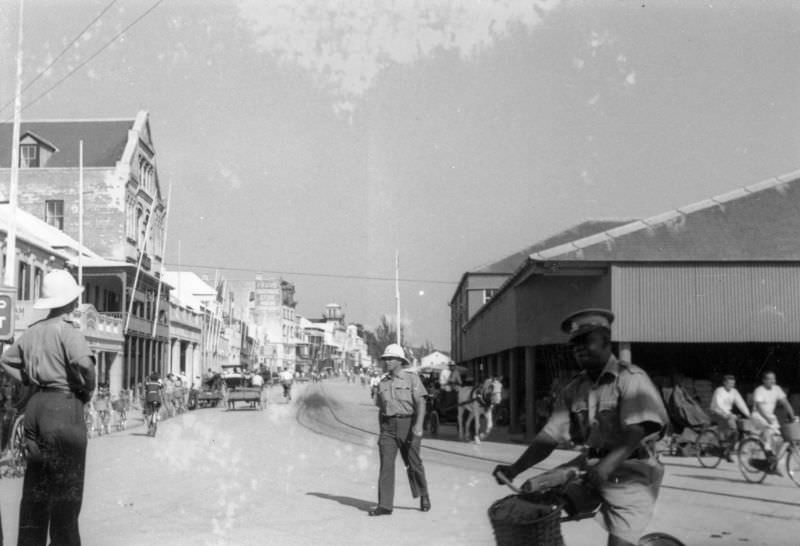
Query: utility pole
(80,218)
(11,240)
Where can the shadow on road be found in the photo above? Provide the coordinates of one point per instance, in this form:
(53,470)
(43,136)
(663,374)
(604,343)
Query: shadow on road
(364,506)
(360,504)
(710,478)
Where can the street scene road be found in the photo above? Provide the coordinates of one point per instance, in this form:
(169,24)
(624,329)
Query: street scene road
(305,473)
(259,258)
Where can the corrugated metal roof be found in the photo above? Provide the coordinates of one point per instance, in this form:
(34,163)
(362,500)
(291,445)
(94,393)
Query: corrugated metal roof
(510,263)
(705,303)
(748,223)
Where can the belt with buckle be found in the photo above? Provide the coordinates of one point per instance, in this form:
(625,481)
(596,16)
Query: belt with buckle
(397,416)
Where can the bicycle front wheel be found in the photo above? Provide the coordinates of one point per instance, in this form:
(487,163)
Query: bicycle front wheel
(708,449)
(793,464)
(753,461)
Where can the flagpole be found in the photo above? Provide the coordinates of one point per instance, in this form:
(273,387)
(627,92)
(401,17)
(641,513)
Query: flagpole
(11,238)
(139,263)
(397,293)
(163,258)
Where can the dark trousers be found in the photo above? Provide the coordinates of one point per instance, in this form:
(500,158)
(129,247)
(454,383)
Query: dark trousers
(396,435)
(52,491)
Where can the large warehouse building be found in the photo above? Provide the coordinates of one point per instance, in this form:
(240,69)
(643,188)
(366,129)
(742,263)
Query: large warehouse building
(711,288)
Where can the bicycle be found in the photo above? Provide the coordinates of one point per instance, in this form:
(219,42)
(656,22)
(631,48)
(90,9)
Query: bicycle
(120,407)
(754,463)
(152,418)
(710,449)
(533,515)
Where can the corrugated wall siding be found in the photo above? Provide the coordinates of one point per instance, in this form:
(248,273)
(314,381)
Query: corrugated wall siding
(706,303)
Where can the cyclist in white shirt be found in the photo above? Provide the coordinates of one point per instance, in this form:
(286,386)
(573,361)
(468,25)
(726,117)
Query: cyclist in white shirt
(725,398)
(765,400)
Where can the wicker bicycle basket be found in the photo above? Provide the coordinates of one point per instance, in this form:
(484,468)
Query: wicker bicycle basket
(791,432)
(527,520)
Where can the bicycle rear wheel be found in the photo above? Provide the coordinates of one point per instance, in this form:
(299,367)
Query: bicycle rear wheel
(753,461)
(708,449)
(793,464)
(659,539)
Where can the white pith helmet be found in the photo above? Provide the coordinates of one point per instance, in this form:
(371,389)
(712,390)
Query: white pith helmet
(395,351)
(58,289)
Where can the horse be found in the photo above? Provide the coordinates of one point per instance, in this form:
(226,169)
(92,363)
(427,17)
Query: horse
(478,401)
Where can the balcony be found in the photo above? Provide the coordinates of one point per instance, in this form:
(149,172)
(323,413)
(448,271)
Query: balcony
(141,326)
(92,323)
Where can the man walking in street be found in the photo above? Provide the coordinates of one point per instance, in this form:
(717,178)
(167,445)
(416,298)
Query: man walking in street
(614,410)
(722,402)
(53,355)
(401,403)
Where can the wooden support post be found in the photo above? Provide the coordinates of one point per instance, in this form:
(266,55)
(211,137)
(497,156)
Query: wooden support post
(530,393)
(513,398)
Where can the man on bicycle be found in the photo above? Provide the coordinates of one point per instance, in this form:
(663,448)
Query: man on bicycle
(287,377)
(614,410)
(153,394)
(725,397)
(765,399)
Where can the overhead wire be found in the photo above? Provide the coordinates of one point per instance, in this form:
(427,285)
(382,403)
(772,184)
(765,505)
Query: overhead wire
(310,274)
(62,53)
(93,56)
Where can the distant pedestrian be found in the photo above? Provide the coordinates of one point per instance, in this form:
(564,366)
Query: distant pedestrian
(54,355)
(401,402)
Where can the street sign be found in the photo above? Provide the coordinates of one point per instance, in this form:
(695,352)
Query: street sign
(7,312)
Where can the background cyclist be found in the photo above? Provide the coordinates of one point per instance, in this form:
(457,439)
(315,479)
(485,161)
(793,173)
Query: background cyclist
(765,399)
(722,402)
(153,394)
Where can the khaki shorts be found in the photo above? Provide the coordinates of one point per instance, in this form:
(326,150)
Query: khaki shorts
(629,498)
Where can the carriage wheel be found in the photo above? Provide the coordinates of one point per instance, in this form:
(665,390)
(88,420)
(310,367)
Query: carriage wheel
(17,446)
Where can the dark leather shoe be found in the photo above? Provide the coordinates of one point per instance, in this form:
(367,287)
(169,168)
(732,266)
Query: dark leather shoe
(424,503)
(380,511)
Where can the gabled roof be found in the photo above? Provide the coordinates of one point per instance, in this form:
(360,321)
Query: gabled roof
(509,264)
(759,222)
(103,141)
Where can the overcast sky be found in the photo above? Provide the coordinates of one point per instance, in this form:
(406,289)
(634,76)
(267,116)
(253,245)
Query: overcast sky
(320,137)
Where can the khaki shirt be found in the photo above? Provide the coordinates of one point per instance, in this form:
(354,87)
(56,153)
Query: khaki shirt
(400,395)
(50,353)
(595,414)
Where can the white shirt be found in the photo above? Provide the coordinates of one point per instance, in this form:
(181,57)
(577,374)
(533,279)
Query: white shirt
(444,376)
(723,400)
(768,398)
(286,375)
(374,380)
(257,381)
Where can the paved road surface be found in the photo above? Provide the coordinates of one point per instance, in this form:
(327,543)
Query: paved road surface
(301,474)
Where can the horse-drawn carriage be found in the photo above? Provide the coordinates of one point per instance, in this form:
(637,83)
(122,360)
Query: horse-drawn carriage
(239,389)
(449,404)
(207,394)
